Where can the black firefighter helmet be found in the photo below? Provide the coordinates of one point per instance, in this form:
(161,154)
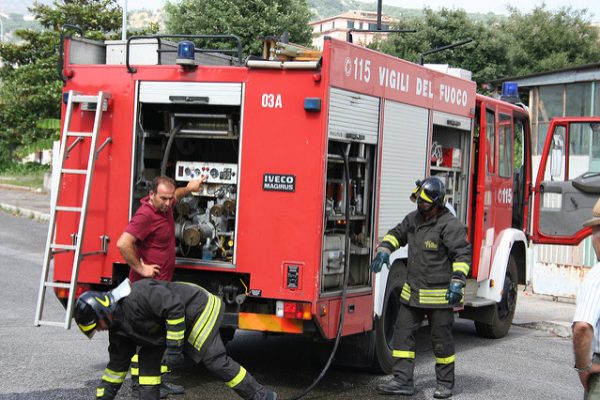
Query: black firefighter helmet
(431,190)
(93,307)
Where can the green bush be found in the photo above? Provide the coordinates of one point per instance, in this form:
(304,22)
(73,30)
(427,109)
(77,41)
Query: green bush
(29,168)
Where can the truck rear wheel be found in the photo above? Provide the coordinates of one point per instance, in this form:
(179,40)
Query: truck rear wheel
(384,325)
(504,311)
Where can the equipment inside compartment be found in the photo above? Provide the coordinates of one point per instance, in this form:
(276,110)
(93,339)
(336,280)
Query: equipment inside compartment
(361,158)
(185,142)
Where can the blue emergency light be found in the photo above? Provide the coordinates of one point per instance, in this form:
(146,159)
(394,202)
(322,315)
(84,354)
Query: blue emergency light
(185,53)
(510,92)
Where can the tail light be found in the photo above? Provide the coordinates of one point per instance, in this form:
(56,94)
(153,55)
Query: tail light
(63,293)
(293,309)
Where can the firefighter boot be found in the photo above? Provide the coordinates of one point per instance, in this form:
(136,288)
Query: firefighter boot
(107,390)
(170,388)
(442,392)
(395,387)
(165,389)
(149,392)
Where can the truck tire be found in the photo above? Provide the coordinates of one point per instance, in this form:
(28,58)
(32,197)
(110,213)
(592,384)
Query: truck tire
(384,325)
(504,311)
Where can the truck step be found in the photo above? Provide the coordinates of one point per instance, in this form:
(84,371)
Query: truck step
(479,302)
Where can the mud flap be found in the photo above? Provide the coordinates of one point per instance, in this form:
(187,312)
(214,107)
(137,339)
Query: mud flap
(356,350)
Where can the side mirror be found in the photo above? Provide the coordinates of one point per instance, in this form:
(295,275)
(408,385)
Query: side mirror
(556,163)
(557,156)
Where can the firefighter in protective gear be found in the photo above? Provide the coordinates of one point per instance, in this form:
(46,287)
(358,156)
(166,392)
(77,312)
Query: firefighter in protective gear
(154,316)
(439,259)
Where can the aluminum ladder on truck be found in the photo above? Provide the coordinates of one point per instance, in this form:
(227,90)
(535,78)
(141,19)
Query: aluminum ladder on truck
(91,103)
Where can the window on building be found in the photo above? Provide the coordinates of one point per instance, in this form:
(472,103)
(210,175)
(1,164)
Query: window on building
(373,27)
(579,97)
(385,27)
(350,24)
(579,140)
(505,151)
(321,28)
(594,131)
(596,86)
(332,24)
(550,102)
(542,132)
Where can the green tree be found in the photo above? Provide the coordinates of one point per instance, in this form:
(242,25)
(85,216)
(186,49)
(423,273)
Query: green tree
(30,89)
(248,19)
(543,40)
(519,44)
(485,56)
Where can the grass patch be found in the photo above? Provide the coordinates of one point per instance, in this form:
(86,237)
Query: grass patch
(26,175)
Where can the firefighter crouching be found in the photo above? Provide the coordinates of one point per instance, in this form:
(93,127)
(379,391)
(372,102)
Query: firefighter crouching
(439,258)
(155,316)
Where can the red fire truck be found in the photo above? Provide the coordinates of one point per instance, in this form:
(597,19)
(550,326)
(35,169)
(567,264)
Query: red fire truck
(310,160)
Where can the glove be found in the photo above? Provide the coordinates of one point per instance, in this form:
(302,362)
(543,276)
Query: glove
(454,293)
(173,358)
(381,258)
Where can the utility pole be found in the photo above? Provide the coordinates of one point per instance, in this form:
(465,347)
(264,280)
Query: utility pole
(378,28)
(379,7)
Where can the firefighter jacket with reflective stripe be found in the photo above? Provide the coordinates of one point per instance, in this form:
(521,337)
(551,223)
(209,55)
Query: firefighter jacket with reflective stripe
(438,251)
(165,314)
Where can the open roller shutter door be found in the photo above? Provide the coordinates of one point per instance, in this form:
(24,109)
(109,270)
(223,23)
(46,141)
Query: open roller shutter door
(353,116)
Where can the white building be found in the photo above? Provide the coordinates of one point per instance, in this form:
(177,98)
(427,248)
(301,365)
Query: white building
(338,27)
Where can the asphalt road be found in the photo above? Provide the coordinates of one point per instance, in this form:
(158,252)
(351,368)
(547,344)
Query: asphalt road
(51,363)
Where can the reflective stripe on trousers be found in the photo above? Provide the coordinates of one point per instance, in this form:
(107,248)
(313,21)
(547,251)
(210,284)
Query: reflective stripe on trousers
(407,324)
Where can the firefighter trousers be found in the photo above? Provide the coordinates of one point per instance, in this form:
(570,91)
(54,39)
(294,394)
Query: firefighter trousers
(233,374)
(135,369)
(404,345)
(115,372)
(150,358)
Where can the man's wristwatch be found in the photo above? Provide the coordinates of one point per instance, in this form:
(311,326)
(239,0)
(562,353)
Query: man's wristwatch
(584,369)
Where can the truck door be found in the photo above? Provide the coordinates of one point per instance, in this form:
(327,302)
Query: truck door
(494,185)
(568,180)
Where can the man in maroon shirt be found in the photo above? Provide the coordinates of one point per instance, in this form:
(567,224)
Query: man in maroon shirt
(148,244)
